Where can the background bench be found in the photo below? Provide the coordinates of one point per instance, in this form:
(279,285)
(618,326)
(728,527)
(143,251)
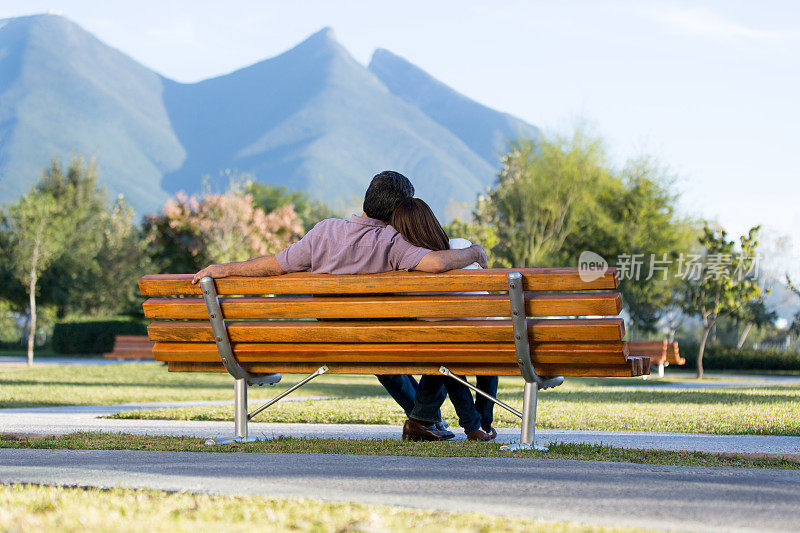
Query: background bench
(256,337)
(661,353)
(131,347)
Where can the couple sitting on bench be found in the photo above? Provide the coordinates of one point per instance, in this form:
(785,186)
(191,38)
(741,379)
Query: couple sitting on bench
(396,232)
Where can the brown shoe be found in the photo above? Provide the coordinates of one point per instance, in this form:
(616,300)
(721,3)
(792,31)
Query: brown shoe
(478,434)
(418,430)
(492,433)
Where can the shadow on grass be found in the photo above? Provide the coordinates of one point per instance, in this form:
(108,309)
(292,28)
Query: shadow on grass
(29,383)
(674,396)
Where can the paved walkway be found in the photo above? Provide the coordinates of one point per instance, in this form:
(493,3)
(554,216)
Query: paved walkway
(62,420)
(611,494)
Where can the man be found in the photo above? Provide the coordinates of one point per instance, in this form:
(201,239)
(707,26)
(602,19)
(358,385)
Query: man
(365,245)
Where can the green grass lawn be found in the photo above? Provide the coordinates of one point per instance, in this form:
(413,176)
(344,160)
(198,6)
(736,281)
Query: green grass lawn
(49,385)
(580,452)
(44,508)
(578,404)
(588,403)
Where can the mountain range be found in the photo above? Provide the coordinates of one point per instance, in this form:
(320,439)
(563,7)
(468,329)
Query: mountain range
(312,118)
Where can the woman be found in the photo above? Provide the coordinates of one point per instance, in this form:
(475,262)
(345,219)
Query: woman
(415,221)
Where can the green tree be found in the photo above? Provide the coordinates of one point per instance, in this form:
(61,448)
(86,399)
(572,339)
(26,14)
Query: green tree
(271,197)
(721,282)
(96,272)
(36,230)
(635,225)
(559,197)
(541,190)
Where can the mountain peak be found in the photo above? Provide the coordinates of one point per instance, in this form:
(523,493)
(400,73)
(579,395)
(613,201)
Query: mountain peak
(324,38)
(483,129)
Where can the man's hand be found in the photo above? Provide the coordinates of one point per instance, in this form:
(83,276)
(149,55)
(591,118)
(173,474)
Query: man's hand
(212,271)
(482,259)
(260,266)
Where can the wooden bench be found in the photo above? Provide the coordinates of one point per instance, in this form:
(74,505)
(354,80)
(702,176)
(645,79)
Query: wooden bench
(262,327)
(661,353)
(131,347)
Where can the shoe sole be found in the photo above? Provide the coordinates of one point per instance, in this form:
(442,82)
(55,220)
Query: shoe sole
(419,438)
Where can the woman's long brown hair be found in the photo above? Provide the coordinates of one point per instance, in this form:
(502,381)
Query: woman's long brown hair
(415,221)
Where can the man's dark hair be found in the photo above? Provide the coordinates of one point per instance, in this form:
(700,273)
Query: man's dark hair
(386,191)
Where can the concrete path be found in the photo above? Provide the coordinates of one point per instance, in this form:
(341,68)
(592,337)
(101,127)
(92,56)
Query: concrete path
(62,420)
(611,494)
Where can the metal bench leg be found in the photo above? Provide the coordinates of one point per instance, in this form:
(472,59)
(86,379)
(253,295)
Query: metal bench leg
(239,416)
(528,433)
(661,370)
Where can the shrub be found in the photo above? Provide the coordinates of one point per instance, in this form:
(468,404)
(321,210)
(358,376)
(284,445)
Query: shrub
(92,336)
(725,358)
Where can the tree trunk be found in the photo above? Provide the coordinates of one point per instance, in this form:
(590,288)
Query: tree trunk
(743,337)
(706,331)
(32,279)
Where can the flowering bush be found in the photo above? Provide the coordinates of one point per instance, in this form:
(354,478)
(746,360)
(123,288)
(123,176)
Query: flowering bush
(193,231)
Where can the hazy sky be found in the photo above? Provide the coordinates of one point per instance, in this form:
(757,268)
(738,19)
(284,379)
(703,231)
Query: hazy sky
(710,88)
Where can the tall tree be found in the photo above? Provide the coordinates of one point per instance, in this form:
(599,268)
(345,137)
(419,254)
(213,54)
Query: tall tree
(37,229)
(540,191)
(721,281)
(635,224)
(558,197)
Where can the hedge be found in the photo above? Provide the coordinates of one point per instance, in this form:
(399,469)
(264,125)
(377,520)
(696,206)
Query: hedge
(723,358)
(92,337)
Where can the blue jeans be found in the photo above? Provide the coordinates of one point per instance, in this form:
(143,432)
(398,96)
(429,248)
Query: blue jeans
(432,391)
(485,408)
(401,388)
(404,389)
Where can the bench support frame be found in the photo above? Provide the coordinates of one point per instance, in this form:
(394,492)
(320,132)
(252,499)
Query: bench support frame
(242,378)
(533,382)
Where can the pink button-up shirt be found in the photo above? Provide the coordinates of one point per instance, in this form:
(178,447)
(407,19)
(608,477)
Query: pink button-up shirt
(359,245)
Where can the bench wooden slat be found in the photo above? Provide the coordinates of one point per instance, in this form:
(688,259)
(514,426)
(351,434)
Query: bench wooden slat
(657,351)
(674,356)
(130,338)
(534,279)
(499,353)
(131,347)
(467,369)
(449,305)
(539,330)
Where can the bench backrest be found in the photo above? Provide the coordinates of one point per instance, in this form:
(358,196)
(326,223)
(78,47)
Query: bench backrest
(371,323)
(655,350)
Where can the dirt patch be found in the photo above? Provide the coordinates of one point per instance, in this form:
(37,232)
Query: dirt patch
(22,437)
